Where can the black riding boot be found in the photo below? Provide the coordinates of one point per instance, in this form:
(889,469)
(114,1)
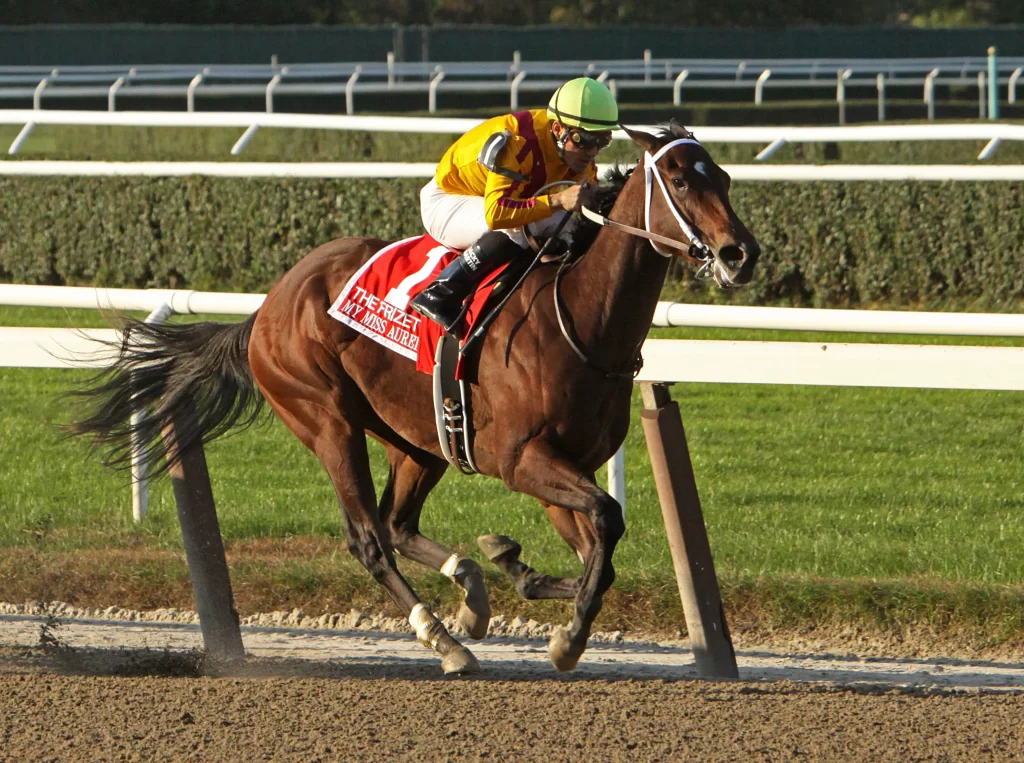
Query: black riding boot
(442,300)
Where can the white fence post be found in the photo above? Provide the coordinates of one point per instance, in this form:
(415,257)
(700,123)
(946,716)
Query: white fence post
(929,92)
(677,87)
(350,106)
(989,150)
(432,93)
(841,78)
(22,137)
(770,149)
(140,470)
(1011,87)
(190,94)
(759,86)
(241,143)
(513,93)
(37,94)
(274,81)
(111,93)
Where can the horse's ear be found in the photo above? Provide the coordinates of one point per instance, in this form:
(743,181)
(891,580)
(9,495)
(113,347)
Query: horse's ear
(678,130)
(646,141)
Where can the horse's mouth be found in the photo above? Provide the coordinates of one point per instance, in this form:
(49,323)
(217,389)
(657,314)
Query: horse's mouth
(723,277)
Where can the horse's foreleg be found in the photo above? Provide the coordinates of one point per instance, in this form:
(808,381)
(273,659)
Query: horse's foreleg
(547,475)
(412,477)
(575,530)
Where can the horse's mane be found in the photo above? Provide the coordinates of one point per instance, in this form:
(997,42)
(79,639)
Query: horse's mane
(583,232)
(672,130)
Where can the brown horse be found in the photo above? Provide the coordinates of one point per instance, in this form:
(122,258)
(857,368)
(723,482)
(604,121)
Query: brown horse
(550,385)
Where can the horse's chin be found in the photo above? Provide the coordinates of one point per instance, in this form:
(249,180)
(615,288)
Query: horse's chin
(723,277)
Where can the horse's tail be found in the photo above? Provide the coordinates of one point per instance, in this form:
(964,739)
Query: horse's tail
(160,371)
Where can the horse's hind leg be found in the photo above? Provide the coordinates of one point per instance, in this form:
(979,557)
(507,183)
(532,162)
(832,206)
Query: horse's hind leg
(575,529)
(315,416)
(413,475)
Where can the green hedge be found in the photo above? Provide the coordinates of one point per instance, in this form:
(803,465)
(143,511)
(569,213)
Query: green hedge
(826,244)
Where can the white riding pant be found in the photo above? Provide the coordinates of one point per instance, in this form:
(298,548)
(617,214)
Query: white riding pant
(458,221)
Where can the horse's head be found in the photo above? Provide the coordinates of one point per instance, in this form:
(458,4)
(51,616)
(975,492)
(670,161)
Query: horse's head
(687,199)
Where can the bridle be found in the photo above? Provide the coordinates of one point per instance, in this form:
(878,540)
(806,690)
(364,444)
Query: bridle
(696,252)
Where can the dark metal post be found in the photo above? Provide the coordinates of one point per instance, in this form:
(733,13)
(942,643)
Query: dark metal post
(204,548)
(687,535)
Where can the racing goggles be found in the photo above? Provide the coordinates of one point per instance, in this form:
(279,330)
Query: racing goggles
(589,140)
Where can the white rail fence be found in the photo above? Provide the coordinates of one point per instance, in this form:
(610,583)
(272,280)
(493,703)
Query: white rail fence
(383,170)
(774,137)
(755,76)
(705,361)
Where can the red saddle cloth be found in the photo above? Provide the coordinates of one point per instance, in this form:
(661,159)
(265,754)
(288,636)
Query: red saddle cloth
(375,301)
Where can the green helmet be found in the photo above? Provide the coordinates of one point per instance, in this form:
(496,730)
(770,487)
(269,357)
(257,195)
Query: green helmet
(584,103)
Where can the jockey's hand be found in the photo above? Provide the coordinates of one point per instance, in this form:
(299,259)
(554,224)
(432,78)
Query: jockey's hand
(573,197)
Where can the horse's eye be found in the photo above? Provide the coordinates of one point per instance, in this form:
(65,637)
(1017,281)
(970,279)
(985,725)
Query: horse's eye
(679,183)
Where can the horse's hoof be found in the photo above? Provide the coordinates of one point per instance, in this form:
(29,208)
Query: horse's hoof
(475,618)
(460,661)
(563,653)
(494,546)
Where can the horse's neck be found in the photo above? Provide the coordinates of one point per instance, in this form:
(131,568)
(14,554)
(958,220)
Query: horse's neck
(613,291)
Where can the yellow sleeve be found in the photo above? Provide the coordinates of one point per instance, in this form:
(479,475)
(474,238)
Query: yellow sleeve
(504,205)
(503,208)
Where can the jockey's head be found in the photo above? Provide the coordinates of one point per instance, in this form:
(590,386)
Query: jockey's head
(583,112)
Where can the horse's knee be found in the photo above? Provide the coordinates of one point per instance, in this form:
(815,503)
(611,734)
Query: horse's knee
(400,536)
(608,521)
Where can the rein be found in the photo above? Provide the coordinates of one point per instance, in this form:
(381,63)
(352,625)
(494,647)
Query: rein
(637,364)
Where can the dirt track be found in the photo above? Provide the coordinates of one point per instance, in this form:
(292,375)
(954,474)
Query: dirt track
(117,691)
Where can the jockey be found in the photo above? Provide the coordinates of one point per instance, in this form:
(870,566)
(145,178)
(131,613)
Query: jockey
(482,196)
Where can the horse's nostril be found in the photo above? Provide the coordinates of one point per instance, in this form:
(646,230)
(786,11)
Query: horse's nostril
(731,256)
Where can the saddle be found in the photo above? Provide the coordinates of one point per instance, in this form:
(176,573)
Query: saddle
(375,302)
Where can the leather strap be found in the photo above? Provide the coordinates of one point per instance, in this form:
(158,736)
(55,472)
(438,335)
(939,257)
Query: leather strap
(601,220)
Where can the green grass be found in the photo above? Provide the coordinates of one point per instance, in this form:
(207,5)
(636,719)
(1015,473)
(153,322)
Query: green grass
(796,482)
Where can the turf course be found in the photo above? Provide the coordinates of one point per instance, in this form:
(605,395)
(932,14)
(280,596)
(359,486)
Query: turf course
(911,497)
